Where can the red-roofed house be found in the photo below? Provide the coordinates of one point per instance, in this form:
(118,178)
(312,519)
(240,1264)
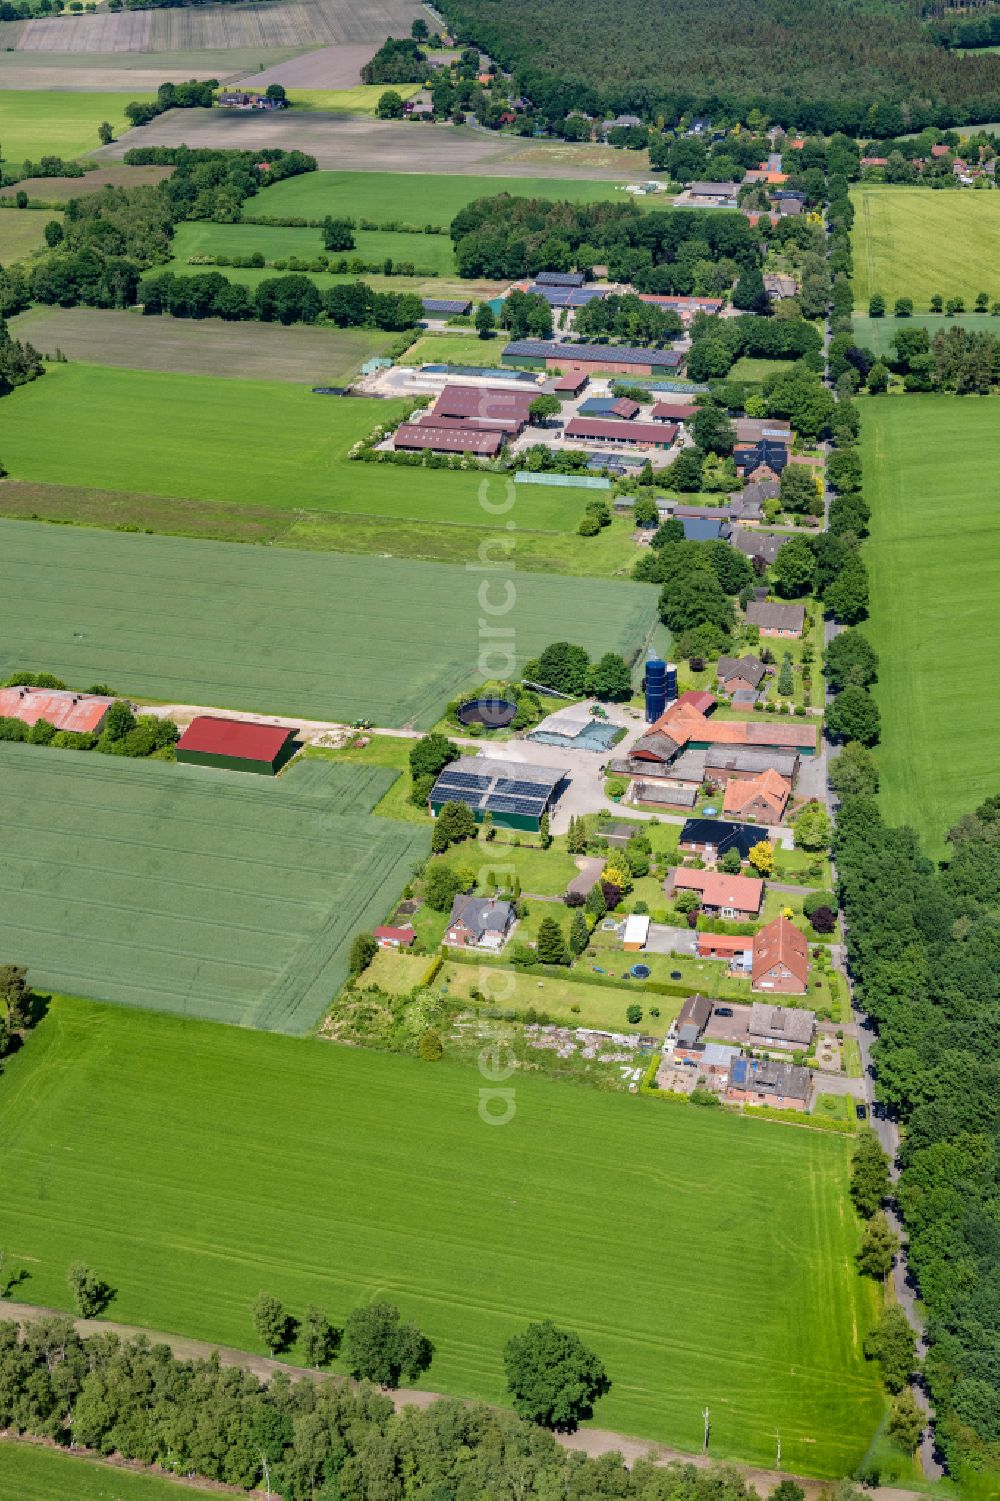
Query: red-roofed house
(762,799)
(725,946)
(736,898)
(781,958)
(82,713)
(395,938)
(236,744)
(940,150)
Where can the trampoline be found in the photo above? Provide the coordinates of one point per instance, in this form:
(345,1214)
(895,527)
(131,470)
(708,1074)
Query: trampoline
(493,713)
(675,974)
(641,971)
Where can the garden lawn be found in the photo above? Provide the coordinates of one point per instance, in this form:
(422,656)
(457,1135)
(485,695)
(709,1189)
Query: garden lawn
(334,1176)
(428,253)
(412,197)
(540,872)
(566,1000)
(397,973)
(934,604)
(39,123)
(30,1473)
(455,349)
(254,443)
(749,369)
(208,893)
(318,635)
(913,242)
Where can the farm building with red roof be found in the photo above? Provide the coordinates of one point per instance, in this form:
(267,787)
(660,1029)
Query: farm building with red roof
(236,744)
(82,713)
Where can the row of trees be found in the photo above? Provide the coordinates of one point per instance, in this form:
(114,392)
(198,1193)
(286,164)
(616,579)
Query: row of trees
(568,669)
(921,944)
(294,298)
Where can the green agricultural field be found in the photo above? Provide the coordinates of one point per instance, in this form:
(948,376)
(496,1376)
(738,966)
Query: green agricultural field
(587,1208)
(913,242)
(414,198)
(268,444)
(40,123)
(935,608)
(428,253)
(22,231)
(320,635)
(28,1473)
(207,893)
(877,334)
(312,355)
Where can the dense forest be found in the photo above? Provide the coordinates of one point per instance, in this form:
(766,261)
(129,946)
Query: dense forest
(870,67)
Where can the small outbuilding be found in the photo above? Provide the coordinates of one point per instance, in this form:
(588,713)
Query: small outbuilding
(237,745)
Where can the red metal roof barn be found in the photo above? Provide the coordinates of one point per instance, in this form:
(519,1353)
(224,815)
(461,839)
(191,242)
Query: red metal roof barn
(236,744)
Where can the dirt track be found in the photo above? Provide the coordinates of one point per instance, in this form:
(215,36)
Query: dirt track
(590,1441)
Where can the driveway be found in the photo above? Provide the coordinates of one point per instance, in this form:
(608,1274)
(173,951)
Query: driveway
(664,939)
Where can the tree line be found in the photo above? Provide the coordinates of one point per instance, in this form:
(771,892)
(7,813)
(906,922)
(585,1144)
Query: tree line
(663,251)
(280,299)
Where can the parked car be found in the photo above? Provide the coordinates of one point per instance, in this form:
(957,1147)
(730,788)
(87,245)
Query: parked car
(860,1112)
(723,1010)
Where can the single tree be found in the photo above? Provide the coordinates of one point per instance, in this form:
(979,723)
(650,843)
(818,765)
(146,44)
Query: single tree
(579,933)
(271,1322)
(105,134)
(432,754)
(850,660)
(731,862)
(893,1344)
(485,321)
(442,883)
(454,823)
(794,568)
(550,945)
(869,1171)
(91,1294)
(53,233)
(363,951)
(390,105)
(812,827)
(876,305)
(854,715)
(543,407)
(906,1422)
(317,1337)
(877,1250)
(553,1378)
(633,1014)
(854,773)
(761,857)
(431,1048)
(379,1348)
(610,679)
(544,832)
(595,903)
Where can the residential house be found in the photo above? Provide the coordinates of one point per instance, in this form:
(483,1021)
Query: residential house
(479,922)
(692,1019)
(395,938)
(736,673)
(761,1081)
(764,459)
(747,505)
(735,898)
(779,287)
(776,620)
(756,544)
(753,429)
(762,800)
(780,1027)
(714,837)
(781,958)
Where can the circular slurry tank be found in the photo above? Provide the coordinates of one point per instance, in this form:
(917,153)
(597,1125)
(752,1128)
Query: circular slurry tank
(492,713)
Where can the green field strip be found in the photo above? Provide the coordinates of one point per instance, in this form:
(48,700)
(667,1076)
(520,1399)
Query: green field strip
(322,635)
(212,894)
(472,1231)
(30,1472)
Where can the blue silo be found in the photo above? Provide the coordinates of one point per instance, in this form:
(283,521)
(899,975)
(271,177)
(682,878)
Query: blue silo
(656,688)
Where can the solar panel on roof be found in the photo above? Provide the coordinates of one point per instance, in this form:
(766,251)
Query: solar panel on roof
(464,779)
(533,807)
(523,789)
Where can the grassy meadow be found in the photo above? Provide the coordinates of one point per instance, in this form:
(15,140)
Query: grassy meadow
(302,1188)
(29,1472)
(428,253)
(362,99)
(209,346)
(905,242)
(268,444)
(22,231)
(205,893)
(413,197)
(934,603)
(316,634)
(36,123)
(877,334)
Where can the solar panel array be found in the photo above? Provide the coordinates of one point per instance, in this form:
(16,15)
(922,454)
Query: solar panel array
(501,790)
(444,305)
(465,780)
